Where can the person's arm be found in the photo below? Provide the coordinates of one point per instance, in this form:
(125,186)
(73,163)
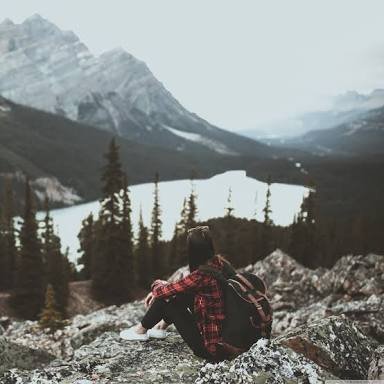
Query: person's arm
(161,289)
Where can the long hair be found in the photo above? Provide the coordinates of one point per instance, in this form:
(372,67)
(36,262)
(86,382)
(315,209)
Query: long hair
(200,247)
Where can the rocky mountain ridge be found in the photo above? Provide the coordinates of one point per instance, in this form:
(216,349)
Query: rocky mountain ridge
(327,324)
(49,69)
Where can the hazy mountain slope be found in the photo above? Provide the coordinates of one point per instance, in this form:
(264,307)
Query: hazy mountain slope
(65,157)
(363,135)
(345,108)
(50,69)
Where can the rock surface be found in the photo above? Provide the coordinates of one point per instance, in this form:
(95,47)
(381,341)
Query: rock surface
(354,286)
(333,343)
(376,367)
(14,355)
(332,328)
(264,363)
(82,329)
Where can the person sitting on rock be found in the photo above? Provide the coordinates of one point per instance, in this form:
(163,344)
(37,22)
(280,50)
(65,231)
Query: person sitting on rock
(194,304)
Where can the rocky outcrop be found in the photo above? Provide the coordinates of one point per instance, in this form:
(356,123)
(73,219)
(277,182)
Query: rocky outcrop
(354,286)
(331,348)
(376,367)
(331,331)
(17,356)
(355,276)
(109,359)
(264,363)
(82,329)
(333,343)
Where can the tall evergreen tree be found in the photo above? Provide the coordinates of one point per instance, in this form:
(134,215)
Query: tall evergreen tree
(143,255)
(182,225)
(28,295)
(87,241)
(267,243)
(125,269)
(229,208)
(111,262)
(191,207)
(178,249)
(158,262)
(267,208)
(55,263)
(229,238)
(303,240)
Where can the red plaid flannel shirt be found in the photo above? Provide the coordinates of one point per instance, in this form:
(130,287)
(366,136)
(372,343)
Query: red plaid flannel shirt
(208,303)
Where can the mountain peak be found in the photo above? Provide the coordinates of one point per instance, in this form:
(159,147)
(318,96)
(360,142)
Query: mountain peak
(37,22)
(7,22)
(36,17)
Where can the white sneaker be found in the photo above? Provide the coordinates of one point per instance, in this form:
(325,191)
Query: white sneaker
(131,334)
(157,333)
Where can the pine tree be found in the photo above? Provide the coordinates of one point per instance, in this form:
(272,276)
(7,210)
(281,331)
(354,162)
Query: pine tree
(112,178)
(303,238)
(158,263)
(111,265)
(125,272)
(55,263)
(267,243)
(182,225)
(50,318)
(87,241)
(267,209)
(178,249)
(229,208)
(191,208)
(107,228)
(143,255)
(28,295)
(8,251)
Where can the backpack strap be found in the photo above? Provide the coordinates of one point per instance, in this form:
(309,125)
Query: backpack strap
(265,318)
(251,287)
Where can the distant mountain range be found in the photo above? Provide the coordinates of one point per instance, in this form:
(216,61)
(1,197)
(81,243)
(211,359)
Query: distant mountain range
(64,158)
(345,108)
(46,68)
(360,135)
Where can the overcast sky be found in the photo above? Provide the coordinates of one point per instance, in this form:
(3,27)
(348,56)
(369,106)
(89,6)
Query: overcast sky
(237,63)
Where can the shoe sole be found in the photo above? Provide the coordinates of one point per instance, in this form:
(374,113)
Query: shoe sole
(131,339)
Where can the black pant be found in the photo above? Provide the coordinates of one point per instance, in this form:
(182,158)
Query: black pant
(178,311)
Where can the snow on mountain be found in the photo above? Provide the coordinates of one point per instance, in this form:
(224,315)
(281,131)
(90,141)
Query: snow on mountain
(44,67)
(248,196)
(197,138)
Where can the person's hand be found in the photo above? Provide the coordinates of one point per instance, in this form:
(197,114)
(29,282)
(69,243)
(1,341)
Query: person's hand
(149,300)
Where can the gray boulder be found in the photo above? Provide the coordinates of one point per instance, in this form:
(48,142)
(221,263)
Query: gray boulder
(376,367)
(110,359)
(335,344)
(265,363)
(354,276)
(17,356)
(80,330)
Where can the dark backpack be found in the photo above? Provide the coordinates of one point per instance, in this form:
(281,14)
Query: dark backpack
(248,313)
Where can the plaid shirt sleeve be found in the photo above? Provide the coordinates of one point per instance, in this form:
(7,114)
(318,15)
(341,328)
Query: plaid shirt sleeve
(161,289)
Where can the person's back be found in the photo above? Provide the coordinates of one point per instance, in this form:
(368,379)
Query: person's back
(194,304)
